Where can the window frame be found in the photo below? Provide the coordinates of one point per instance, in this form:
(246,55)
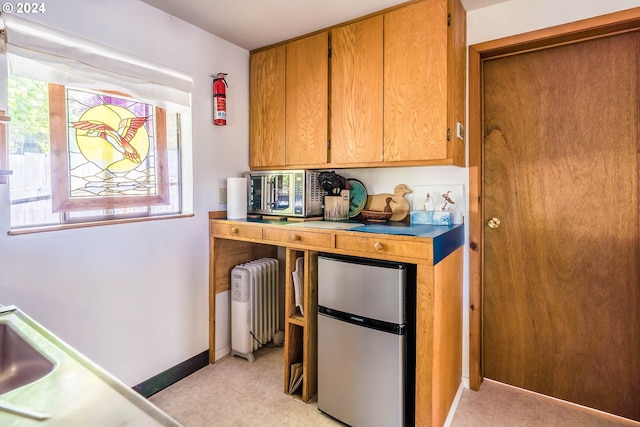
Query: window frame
(58,131)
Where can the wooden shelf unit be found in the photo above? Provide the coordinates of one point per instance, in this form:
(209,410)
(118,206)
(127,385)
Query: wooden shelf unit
(301,331)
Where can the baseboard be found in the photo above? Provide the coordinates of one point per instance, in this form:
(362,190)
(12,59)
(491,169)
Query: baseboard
(466,383)
(222,352)
(454,406)
(165,379)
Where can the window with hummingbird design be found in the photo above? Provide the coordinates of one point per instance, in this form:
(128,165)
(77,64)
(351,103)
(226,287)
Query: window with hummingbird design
(83,156)
(91,135)
(112,151)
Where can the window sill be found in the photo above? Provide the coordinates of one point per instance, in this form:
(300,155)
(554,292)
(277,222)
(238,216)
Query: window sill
(46,228)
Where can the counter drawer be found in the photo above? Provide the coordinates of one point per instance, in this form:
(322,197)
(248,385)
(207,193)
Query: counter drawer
(297,237)
(236,230)
(378,245)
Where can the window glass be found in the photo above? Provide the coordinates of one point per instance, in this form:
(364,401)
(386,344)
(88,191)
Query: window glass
(81,155)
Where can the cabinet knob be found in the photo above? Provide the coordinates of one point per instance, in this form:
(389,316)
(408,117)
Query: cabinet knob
(294,237)
(234,230)
(377,246)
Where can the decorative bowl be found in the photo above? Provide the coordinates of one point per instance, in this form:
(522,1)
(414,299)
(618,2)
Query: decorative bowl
(376,216)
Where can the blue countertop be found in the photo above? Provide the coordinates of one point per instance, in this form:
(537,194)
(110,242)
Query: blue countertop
(446,238)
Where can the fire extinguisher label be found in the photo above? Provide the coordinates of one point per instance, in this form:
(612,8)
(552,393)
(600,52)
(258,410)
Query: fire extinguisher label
(219,108)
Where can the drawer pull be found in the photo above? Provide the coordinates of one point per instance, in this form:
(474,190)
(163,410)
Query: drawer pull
(377,246)
(234,230)
(294,237)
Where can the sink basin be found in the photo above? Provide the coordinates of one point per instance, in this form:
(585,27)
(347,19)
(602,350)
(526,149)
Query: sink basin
(44,379)
(20,363)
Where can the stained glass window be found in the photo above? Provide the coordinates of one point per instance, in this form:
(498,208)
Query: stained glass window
(96,135)
(112,151)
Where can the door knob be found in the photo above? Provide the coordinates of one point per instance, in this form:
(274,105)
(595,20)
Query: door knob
(494,223)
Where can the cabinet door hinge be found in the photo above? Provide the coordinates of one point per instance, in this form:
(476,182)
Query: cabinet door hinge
(448,20)
(448,134)
(329,52)
(328,144)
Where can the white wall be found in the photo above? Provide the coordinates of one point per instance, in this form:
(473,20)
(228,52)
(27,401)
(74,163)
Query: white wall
(134,297)
(502,20)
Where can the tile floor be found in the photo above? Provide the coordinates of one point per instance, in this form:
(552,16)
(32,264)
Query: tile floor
(235,393)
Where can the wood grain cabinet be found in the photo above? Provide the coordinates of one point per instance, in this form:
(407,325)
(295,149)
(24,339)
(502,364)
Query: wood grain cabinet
(266,107)
(424,82)
(356,92)
(287,106)
(438,258)
(393,95)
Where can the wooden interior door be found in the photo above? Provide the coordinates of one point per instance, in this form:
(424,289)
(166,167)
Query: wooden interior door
(561,272)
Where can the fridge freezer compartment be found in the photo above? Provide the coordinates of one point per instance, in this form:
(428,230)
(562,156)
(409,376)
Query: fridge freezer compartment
(354,388)
(369,288)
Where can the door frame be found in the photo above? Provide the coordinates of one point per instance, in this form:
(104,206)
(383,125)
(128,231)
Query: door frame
(600,26)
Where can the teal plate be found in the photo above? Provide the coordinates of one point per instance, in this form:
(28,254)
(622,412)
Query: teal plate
(357,197)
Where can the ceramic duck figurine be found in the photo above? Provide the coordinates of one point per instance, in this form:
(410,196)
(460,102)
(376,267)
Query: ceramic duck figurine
(399,207)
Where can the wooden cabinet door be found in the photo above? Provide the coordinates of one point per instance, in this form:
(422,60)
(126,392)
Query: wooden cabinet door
(356,92)
(307,72)
(267,107)
(415,82)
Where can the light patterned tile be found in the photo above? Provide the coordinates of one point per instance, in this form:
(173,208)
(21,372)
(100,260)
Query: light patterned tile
(234,392)
(466,419)
(556,413)
(598,419)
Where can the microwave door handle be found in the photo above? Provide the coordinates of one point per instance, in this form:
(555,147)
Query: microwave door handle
(266,196)
(274,192)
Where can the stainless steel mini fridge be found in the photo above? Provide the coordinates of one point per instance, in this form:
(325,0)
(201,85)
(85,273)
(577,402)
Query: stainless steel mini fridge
(366,341)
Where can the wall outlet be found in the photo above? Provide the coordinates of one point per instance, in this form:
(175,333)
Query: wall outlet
(222,195)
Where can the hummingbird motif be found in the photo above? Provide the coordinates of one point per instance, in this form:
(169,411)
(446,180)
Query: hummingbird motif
(120,138)
(447,200)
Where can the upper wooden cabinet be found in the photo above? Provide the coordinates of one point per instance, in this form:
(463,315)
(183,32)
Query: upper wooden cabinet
(267,107)
(392,95)
(306,100)
(420,78)
(288,104)
(356,92)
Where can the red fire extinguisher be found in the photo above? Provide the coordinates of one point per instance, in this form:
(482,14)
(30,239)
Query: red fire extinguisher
(220,99)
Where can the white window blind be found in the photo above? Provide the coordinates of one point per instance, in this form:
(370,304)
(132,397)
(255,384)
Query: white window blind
(69,60)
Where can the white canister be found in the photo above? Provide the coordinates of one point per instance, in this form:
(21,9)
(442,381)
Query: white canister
(236,198)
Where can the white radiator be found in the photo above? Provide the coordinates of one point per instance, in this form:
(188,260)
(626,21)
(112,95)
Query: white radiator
(254,306)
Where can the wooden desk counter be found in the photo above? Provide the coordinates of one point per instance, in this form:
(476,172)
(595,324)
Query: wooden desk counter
(437,253)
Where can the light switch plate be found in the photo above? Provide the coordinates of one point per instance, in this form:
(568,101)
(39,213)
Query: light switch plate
(459,130)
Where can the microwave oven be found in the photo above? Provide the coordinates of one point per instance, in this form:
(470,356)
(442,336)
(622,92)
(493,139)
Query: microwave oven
(295,193)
